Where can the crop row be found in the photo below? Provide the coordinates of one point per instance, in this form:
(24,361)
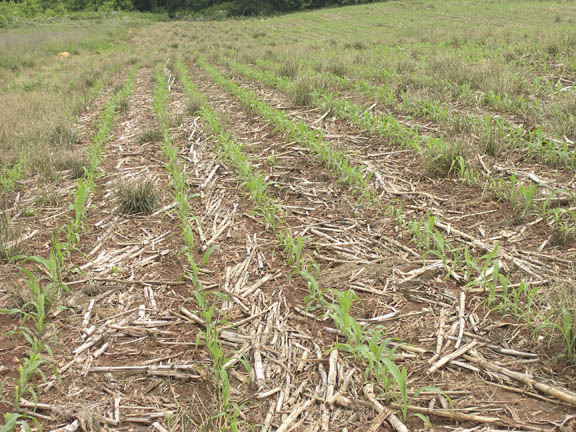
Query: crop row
(32,126)
(495,133)
(11,175)
(465,74)
(437,154)
(227,417)
(45,291)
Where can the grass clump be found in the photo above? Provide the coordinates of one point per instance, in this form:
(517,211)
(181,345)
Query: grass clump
(123,103)
(301,92)
(357,45)
(150,135)
(562,116)
(63,135)
(302,89)
(289,68)
(338,67)
(137,198)
(48,198)
(194,104)
(442,158)
(491,143)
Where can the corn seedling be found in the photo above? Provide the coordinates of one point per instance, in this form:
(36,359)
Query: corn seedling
(400,387)
(35,310)
(368,345)
(560,321)
(564,223)
(81,196)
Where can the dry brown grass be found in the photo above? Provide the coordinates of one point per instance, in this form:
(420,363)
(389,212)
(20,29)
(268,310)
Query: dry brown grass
(36,47)
(38,124)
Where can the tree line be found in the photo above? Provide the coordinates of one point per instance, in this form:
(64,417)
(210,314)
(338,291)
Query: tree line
(173,8)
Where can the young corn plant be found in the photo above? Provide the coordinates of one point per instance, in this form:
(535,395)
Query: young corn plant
(227,418)
(563,222)
(559,319)
(294,249)
(364,345)
(34,324)
(76,225)
(517,301)
(368,345)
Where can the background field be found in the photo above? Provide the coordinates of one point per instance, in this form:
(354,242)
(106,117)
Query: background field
(359,218)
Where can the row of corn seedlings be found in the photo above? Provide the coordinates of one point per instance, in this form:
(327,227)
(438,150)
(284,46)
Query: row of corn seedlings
(228,411)
(362,75)
(249,99)
(528,199)
(495,132)
(44,291)
(492,130)
(254,185)
(365,344)
(452,257)
(439,155)
(298,131)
